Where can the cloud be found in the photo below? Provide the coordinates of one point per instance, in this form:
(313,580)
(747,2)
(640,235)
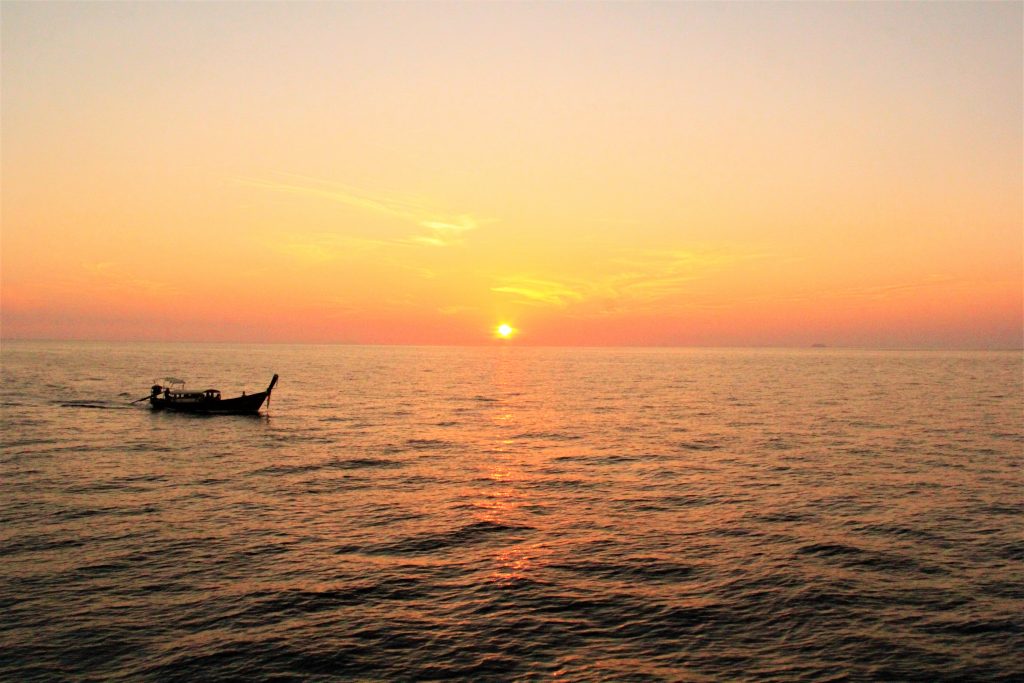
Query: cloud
(341,194)
(635,277)
(436,228)
(651,275)
(445,232)
(883,291)
(321,247)
(455,310)
(540,291)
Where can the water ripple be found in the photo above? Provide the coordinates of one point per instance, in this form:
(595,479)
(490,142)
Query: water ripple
(460,514)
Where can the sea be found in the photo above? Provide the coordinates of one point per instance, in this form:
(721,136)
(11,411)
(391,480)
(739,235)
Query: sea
(506,513)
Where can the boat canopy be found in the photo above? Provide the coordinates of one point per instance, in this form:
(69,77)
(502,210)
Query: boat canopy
(181,393)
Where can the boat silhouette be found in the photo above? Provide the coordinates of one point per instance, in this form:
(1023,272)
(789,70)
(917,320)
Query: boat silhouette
(208,401)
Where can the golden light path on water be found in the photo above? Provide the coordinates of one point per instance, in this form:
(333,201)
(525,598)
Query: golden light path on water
(513,513)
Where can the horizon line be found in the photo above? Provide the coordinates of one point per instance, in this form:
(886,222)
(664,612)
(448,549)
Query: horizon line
(816,346)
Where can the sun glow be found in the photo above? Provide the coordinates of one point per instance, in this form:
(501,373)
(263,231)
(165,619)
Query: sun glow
(600,221)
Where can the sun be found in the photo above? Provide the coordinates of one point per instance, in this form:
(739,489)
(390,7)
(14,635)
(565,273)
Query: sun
(504,330)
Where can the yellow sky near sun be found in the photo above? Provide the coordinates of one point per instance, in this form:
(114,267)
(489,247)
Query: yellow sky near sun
(594,173)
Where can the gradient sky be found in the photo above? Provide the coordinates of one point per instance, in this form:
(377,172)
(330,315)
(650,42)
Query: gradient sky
(622,173)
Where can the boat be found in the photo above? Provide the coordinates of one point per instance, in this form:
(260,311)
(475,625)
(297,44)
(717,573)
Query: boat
(207,402)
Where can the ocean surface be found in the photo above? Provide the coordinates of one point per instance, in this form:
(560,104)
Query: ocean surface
(509,513)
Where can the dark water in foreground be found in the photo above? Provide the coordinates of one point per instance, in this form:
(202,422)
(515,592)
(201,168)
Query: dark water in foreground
(502,514)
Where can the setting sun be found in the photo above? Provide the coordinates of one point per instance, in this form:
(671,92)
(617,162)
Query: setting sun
(505,330)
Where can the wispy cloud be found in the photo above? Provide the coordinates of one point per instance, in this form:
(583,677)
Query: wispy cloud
(637,277)
(531,290)
(874,292)
(885,290)
(320,247)
(434,228)
(444,233)
(455,310)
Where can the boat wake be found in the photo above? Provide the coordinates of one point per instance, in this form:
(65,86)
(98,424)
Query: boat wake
(94,405)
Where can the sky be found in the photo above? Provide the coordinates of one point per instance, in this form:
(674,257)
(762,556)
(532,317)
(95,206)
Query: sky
(707,174)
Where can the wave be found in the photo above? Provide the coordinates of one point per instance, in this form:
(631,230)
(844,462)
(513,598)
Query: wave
(647,569)
(332,464)
(700,445)
(549,436)
(429,444)
(470,534)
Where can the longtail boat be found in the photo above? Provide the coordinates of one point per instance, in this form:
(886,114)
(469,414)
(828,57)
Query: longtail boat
(206,402)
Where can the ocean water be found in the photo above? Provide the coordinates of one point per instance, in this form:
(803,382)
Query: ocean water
(513,514)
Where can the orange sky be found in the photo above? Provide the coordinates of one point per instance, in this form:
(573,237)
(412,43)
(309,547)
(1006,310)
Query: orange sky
(622,173)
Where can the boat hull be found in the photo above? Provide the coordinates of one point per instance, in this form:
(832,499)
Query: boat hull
(208,402)
(242,405)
